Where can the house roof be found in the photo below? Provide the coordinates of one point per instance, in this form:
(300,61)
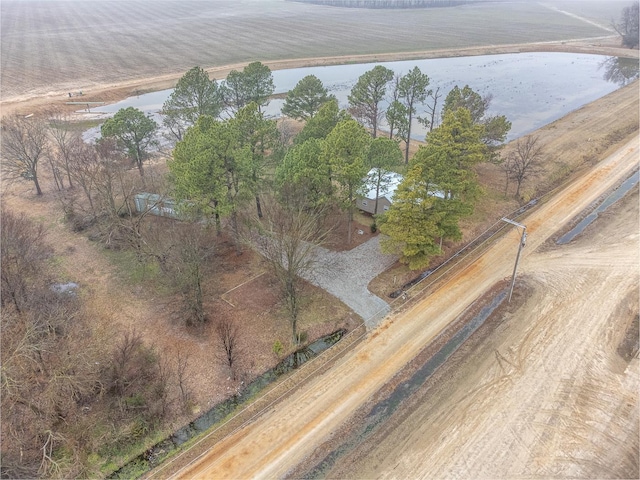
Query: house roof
(391,186)
(394,180)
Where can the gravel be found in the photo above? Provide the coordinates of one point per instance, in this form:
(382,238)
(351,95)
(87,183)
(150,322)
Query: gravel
(347,274)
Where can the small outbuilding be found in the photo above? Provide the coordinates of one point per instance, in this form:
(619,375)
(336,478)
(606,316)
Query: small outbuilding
(156,205)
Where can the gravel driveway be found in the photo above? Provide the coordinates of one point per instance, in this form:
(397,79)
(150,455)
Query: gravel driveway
(347,274)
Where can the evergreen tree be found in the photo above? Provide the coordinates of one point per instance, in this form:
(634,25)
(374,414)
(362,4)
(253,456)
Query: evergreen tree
(495,128)
(346,149)
(321,124)
(439,189)
(259,135)
(209,170)
(253,84)
(306,98)
(367,94)
(303,178)
(195,95)
(412,91)
(134,132)
(384,156)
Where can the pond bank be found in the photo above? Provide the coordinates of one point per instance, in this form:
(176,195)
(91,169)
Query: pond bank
(114,92)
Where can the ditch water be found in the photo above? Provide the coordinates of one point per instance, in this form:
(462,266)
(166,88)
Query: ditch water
(383,410)
(156,454)
(531,89)
(616,195)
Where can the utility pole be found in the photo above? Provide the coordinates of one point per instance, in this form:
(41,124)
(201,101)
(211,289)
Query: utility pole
(523,241)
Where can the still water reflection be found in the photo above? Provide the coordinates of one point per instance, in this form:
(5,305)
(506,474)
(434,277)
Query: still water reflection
(531,89)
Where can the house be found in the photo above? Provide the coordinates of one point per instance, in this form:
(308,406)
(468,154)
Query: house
(367,202)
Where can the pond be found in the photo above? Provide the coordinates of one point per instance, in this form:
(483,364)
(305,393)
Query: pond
(531,89)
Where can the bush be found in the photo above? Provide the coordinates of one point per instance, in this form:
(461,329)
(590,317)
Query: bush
(278,348)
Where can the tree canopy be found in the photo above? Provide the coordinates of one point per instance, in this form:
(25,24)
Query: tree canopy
(304,176)
(439,189)
(397,116)
(253,84)
(194,95)
(628,26)
(259,135)
(209,169)
(306,98)
(495,128)
(366,95)
(412,91)
(467,98)
(24,144)
(384,155)
(134,132)
(321,124)
(346,149)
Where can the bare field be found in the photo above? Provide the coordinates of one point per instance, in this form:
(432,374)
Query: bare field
(54,47)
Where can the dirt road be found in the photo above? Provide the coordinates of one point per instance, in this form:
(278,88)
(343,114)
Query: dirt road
(284,436)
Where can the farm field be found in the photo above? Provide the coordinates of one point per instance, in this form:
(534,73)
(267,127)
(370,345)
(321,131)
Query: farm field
(51,47)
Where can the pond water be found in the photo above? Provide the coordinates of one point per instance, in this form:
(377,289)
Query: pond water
(531,89)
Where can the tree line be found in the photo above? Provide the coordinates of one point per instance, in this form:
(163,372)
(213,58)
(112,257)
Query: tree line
(389,3)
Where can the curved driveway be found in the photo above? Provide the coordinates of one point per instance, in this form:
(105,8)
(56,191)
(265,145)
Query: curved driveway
(347,274)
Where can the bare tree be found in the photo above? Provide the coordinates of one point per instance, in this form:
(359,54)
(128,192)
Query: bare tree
(137,378)
(228,333)
(66,142)
(430,120)
(80,206)
(182,251)
(287,237)
(182,376)
(628,25)
(50,363)
(524,161)
(24,253)
(164,375)
(24,144)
